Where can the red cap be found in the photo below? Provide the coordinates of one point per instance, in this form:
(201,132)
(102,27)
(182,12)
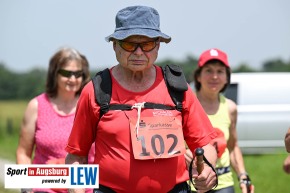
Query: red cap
(213,54)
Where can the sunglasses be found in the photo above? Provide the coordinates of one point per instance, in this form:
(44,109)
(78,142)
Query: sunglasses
(68,74)
(131,46)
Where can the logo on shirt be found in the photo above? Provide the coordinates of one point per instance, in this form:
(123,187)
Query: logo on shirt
(162,113)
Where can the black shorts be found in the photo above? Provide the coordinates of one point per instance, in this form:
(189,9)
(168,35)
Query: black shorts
(229,189)
(178,188)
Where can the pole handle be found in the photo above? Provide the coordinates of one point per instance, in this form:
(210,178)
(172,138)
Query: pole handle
(199,160)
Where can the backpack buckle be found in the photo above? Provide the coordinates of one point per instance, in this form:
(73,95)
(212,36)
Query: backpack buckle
(179,106)
(104,108)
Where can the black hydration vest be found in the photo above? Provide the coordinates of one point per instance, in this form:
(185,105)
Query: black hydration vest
(175,82)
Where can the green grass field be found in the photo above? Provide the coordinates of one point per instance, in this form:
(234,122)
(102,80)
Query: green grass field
(266,173)
(265,170)
(11,113)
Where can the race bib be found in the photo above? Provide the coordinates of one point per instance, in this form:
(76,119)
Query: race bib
(157,137)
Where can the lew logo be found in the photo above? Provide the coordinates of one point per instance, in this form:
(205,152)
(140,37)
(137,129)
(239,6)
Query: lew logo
(84,175)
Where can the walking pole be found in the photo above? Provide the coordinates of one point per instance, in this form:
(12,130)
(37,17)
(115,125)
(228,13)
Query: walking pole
(199,159)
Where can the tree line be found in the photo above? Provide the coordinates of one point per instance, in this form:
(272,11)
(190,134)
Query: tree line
(27,85)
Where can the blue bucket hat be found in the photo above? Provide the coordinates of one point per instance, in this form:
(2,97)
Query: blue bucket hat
(138,20)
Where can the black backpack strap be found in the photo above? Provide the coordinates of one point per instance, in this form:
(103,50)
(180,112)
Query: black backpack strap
(149,105)
(103,92)
(176,84)
(103,89)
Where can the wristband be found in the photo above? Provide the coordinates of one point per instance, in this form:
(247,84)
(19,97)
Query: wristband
(245,181)
(242,174)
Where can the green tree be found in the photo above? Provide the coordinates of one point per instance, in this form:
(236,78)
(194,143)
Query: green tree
(188,66)
(276,65)
(244,68)
(21,85)
(8,83)
(32,83)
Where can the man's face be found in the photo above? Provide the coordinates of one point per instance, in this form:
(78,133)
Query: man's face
(136,53)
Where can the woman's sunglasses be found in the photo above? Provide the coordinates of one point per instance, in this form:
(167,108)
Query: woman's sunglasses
(131,46)
(68,74)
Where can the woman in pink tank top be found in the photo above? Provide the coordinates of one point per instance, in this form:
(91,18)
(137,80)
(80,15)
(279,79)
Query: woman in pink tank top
(48,118)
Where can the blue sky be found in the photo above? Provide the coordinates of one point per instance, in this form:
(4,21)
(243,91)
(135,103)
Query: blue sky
(249,31)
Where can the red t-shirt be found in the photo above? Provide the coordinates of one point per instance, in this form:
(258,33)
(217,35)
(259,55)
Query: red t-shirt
(111,134)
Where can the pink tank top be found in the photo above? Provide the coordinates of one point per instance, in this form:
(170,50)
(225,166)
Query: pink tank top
(52,132)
